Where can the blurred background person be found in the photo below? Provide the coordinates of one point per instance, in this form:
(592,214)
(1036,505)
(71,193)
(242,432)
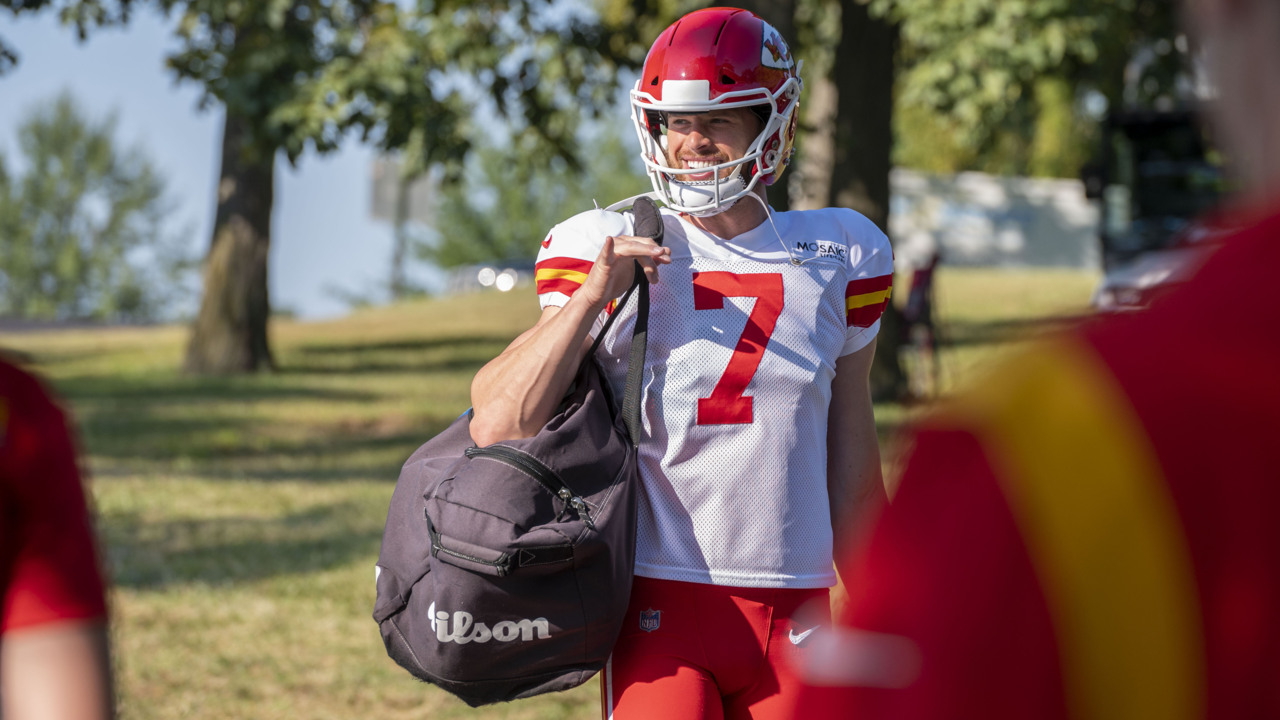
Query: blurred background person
(1091,532)
(54,658)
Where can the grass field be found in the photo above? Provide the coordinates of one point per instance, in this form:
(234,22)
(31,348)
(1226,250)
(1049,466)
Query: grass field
(242,516)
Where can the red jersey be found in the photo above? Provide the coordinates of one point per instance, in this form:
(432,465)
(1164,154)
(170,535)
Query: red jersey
(48,566)
(1093,533)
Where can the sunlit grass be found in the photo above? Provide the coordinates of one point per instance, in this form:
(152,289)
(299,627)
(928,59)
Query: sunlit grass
(242,516)
(985,312)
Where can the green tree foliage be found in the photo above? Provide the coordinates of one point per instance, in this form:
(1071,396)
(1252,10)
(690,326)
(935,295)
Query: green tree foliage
(997,85)
(290,76)
(294,75)
(504,205)
(306,73)
(81,224)
(1045,135)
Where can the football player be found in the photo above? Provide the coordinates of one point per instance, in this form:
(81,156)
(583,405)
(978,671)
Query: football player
(759,442)
(54,656)
(1091,532)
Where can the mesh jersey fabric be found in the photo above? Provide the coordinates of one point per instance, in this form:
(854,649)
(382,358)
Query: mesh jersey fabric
(737,383)
(49,570)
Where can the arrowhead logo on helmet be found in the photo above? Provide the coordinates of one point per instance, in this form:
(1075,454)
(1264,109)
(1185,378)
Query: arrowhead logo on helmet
(775,53)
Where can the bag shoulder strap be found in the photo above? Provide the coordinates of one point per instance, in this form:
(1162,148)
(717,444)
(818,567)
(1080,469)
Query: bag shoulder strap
(648,223)
(629,203)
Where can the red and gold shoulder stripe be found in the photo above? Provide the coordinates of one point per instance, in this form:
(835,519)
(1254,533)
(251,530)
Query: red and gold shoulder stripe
(564,275)
(865,300)
(561,274)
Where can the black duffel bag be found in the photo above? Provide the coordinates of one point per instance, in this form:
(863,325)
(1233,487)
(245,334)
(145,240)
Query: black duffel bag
(505,571)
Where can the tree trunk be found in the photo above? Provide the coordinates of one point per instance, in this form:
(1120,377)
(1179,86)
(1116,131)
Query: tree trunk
(230,333)
(814,164)
(863,74)
(781,14)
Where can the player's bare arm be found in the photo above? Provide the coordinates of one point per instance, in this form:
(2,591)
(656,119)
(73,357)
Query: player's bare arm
(55,671)
(854,482)
(516,393)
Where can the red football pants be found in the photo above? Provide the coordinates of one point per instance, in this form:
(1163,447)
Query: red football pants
(689,650)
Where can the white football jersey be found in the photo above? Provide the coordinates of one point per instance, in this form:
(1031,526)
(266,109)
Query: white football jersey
(744,335)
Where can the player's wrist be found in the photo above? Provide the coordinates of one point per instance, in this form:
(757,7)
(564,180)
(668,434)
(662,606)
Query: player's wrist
(592,298)
(585,306)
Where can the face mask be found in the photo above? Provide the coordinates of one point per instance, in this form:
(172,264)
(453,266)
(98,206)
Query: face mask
(705,194)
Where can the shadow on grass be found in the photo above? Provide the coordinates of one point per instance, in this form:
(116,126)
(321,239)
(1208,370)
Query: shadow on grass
(225,426)
(418,345)
(334,459)
(225,551)
(470,365)
(181,419)
(447,354)
(232,449)
(180,389)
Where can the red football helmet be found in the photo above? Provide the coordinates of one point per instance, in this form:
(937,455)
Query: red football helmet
(714,59)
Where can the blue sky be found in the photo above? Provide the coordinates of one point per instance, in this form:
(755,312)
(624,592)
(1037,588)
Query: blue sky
(322,233)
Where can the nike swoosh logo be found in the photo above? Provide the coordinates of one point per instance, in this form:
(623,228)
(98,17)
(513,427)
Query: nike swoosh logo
(547,243)
(797,638)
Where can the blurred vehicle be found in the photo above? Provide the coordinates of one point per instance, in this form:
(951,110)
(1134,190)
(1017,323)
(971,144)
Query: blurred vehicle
(1155,176)
(1135,284)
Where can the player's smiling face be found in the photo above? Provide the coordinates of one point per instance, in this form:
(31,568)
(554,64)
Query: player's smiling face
(703,140)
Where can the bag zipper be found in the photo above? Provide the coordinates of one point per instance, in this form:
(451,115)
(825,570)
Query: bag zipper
(502,566)
(543,475)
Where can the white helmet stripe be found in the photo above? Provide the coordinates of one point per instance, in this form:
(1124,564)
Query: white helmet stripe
(687,90)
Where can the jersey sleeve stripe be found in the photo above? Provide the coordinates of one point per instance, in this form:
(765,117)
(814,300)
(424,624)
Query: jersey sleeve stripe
(860,301)
(572,275)
(564,286)
(866,298)
(862,286)
(561,274)
(565,263)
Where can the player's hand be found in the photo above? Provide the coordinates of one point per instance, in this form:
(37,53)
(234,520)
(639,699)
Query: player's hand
(614,269)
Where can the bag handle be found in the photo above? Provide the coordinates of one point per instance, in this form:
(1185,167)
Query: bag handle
(648,223)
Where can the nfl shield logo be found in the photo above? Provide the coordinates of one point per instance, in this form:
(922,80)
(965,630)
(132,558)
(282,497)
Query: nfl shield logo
(650,620)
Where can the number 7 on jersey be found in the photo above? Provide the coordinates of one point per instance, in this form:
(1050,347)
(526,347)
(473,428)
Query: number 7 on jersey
(727,404)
